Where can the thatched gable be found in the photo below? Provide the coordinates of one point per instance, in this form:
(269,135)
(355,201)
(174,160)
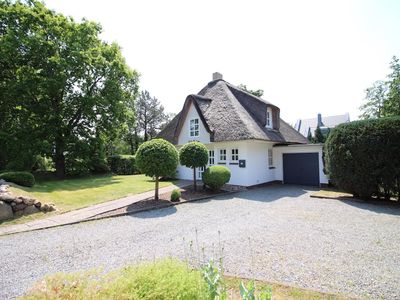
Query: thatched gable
(230,114)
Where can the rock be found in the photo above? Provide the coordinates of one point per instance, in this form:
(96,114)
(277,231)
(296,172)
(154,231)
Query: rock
(5,197)
(18,200)
(37,203)
(18,207)
(13,204)
(52,207)
(28,201)
(44,207)
(6,211)
(2,182)
(19,213)
(31,209)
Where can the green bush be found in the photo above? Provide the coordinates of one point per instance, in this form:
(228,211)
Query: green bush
(122,164)
(175,195)
(216,176)
(76,167)
(20,178)
(164,279)
(363,158)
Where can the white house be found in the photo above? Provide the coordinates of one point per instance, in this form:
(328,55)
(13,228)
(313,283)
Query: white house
(246,134)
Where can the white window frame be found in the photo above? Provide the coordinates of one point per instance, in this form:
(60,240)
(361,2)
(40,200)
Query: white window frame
(268,116)
(270,158)
(194,127)
(200,171)
(211,157)
(222,154)
(235,155)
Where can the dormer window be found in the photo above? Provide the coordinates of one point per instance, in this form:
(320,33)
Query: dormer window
(268,122)
(194,127)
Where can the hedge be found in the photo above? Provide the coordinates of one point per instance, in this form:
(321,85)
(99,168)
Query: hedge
(216,176)
(20,178)
(363,157)
(122,164)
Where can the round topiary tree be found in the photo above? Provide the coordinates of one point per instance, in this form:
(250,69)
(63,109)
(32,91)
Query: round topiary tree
(157,158)
(216,176)
(362,157)
(193,155)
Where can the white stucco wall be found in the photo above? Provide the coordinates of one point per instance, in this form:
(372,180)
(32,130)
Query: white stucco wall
(254,152)
(309,148)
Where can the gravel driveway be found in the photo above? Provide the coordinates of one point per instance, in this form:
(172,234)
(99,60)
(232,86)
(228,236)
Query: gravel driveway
(276,233)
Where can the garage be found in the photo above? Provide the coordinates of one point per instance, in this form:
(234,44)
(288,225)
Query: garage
(301,168)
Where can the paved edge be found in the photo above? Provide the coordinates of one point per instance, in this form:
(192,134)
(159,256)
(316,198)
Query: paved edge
(94,218)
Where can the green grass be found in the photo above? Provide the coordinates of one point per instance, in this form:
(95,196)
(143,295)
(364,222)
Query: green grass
(162,279)
(279,291)
(70,194)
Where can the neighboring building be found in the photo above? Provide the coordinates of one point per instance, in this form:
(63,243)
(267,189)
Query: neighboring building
(246,134)
(308,126)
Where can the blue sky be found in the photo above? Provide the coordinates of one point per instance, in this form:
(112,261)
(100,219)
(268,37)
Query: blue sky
(308,56)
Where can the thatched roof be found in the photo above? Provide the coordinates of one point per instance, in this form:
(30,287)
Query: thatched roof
(230,114)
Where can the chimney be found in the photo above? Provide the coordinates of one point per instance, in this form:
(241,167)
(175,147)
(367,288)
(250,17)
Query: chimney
(216,76)
(319,120)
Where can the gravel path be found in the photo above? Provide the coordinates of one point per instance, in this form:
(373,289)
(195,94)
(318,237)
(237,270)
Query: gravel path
(276,233)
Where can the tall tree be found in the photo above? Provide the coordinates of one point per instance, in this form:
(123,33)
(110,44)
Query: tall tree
(150,115)
(62,84)
(392,105)
(257,93)
(374,101)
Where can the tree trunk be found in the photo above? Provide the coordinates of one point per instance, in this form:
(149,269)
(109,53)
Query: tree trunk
(60,158)
(194,179)
(156,190)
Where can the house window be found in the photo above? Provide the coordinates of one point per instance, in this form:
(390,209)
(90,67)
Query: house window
(235,155)
(200,172)
(270,158)
(222,155)
(211,158)
(194,127)
(268,122)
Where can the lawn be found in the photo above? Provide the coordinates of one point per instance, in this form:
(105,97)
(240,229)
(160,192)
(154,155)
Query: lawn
(70,194)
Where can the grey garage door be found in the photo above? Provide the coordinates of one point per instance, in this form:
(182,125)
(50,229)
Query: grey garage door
(301,168)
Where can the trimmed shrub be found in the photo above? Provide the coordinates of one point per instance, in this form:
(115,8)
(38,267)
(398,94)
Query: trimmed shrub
(175,195)
(20,178)
(193,155)
(363,157)
(216,176)
(76,167)
(157,158)
(122,164)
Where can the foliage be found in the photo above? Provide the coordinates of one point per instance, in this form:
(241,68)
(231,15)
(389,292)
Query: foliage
(150,115)
(363,158)
(175,195)
(248,292)
(122,164)
(43,164)
(74,193)
(216,176)
(214,281)
(383,98)
(163,279)
(60,86)
(318,136)
(257,93)
(193,155)
(374,100)
(157,158)
(20,178)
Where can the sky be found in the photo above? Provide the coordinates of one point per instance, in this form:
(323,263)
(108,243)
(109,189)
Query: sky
(309,57)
